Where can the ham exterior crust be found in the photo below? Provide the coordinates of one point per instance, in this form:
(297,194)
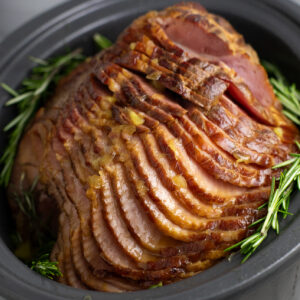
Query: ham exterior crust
(154,156)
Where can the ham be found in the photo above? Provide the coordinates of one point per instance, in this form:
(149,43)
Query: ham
(155,155)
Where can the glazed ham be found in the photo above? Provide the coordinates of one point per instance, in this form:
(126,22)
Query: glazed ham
(154,156)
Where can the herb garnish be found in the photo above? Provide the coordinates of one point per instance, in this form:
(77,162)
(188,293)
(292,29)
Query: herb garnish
(278,204)
(42,263)
(160,284)
(45,267)
(279,199)
(34,90)
(24,249)
(288,95)
(101,41)
(25,200)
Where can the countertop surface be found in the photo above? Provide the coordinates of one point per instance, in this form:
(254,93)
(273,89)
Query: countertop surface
(14,13)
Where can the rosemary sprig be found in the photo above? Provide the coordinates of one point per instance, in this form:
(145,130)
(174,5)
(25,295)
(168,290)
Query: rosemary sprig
(288,95)
(24,250)
(278,204)
(33,91)
(25,200)
(160,284)
(101,41)
(45,267)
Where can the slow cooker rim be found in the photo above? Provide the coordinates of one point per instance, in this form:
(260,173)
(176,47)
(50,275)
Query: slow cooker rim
(72,8)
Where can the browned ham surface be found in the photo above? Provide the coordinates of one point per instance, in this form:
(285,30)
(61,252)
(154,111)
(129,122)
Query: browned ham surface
(154,155)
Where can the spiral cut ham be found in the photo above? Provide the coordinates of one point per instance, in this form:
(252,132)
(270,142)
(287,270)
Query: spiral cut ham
(154,155)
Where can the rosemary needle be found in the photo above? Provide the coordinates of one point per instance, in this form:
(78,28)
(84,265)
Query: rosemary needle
(160,284)
(101,41)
